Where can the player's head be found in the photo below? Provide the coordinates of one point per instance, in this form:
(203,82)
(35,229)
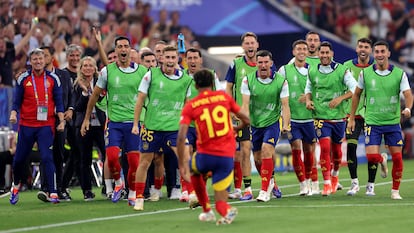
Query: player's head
(300,50)
(264,62)
(37,60)
(203,79)
(194,60)
(326,53)
(123,49)
(364,48)
(313,40)
(250,44)
(381,53)
(112,56)
(148,59)
(170,59)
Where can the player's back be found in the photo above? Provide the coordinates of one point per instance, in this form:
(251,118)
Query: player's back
(210,111)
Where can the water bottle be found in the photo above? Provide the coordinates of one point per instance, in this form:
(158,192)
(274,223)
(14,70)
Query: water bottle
(180,43)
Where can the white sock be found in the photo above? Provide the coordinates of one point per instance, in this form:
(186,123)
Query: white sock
(108,185)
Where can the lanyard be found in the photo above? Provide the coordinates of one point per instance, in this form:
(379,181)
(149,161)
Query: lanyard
(35,90)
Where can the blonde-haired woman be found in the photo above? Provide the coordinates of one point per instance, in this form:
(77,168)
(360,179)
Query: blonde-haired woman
(83,86)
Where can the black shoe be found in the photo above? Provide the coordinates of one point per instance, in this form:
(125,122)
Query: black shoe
(43,196)
(88,195)
(124,194)
(64,196)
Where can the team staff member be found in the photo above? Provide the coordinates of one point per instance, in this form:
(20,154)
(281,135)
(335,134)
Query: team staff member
(383,84)
(210,111)
(38,95)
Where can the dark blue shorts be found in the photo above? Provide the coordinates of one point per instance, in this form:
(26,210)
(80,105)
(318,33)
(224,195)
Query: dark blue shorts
(392,135)
(269,134)
(221,168)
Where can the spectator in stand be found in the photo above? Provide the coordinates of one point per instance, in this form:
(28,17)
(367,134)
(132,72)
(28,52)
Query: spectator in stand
(380,19)
(24,28)
(345,19)
(360,29)
(5,13)
(118,7)
(174,26)
(162,26)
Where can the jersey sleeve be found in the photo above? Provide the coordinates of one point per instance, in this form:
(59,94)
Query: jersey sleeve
(231,73)
(102,78)
(186,114)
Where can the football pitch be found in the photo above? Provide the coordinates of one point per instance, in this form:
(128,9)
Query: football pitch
(292,213)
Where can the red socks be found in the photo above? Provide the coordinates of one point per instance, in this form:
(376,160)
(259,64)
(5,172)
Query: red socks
(222,207)
(133,160)
(112,155)
(266,172)
(201,191)
(325,160)
(397,170)
(298,165)
(238,175)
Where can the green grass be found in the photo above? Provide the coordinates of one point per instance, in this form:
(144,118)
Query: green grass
(292,213)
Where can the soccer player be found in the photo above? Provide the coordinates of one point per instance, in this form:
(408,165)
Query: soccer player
(167,88)
(302,129)
(265,95)
(314,41)
(363,60)
(383,84)
(210,111)
(121,80)
(328,85)
(38,95)
(240,67)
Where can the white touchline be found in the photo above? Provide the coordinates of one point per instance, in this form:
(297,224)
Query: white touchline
(180,209)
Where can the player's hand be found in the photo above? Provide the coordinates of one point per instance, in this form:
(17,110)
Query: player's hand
(68,115)
(135,129)
(350,127)
(302,99)
(185,173)
(61,126)
(334,103)
(85,127)
(310,105)
(13,117)
(406,113)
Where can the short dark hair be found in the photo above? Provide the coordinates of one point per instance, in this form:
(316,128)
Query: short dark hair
(147,53)
(122,38)
(204,78)
(326,44)
(110,51)
(382,42)
(48,48)
(365,40)
(296,42)
(264,53)
(193,50)
(252,34)
(311,33)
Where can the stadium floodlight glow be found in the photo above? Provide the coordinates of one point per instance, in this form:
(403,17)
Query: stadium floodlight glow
(225,50)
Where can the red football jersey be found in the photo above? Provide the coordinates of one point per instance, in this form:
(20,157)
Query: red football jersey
(210,111)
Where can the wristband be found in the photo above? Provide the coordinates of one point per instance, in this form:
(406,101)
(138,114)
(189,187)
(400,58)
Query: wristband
(407,109)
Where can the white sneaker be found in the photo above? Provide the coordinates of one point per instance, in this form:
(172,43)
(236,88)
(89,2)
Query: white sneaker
(395,194)
(353,189)
(370,189)
(315,188)
(229,218)
(303,188)
(193,201)
(384,167)
(263,196)
(236,194)
(175,194)
(139,204)
(184,196)
(155,195)
(207,216)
